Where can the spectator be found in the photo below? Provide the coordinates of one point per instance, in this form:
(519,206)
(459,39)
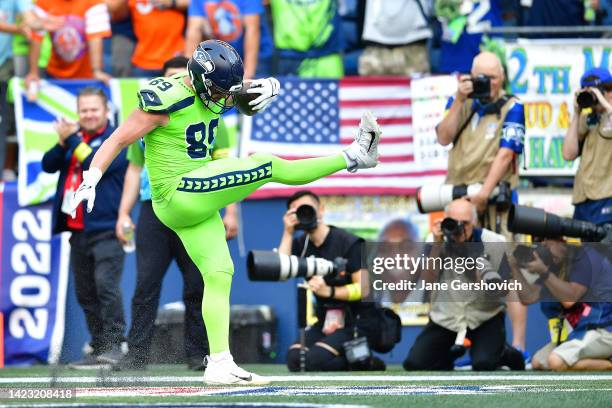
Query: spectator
(96,256)
(463,24)
(241,23)
(589,137)
(308,38)
(9,11)
(603,9)
(158,26)
(487,135)
(123,40)
(77,29)
(555,13)
(338,297)
(400,236)
(579,281)
(396,34)
(455,314)
(157,246)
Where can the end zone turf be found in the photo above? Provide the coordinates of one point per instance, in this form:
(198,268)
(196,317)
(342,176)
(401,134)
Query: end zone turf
(169,385)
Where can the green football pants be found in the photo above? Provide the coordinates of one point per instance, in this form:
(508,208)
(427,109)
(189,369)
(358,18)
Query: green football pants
(193,213)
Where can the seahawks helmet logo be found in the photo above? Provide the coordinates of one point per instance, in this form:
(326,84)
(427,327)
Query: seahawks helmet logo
(204,60)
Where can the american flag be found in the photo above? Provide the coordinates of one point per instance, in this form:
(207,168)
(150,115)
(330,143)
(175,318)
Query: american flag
(318,117)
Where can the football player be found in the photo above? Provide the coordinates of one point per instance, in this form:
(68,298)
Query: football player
(178,118)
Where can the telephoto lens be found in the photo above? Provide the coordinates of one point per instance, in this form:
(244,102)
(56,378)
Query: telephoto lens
(271,266)
(537,222)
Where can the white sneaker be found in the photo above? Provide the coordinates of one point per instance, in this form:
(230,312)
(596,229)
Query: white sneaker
(226,372)
(363,152)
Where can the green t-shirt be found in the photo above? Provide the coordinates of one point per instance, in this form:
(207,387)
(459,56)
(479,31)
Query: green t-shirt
(311,27)
(185,143)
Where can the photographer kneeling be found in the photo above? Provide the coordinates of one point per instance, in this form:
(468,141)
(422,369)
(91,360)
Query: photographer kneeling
(477,315)
(338,297)
(589,137)
(579,281)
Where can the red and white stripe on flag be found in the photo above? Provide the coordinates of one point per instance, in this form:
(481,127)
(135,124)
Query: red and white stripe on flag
(389,99)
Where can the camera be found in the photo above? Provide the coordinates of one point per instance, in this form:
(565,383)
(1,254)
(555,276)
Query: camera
(481,88)
(307,217)
(451,227)
(525,254)
(436,197)
(586,99)
(270,266)
(537,222)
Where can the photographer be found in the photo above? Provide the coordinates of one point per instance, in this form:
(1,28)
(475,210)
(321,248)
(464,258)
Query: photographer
(590,137)
(338,297)
(477,315)
(486,127)
(579,279)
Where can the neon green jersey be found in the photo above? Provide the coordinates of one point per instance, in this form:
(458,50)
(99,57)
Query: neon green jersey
(185,143)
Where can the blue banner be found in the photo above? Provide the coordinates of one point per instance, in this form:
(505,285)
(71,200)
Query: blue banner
(33,281)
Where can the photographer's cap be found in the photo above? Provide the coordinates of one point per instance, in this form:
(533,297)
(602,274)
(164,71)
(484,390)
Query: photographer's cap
(602,74)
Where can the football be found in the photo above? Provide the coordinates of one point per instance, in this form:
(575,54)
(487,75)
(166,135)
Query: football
(243,98)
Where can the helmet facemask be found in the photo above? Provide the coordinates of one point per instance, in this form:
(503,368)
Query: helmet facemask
(216,98)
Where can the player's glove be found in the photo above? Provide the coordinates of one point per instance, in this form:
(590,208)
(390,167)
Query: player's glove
(267,89)
(86,191)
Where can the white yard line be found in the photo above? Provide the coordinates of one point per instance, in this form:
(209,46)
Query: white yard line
(372,379)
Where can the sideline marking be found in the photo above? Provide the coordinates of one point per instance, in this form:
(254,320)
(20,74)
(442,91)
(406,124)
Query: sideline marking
(318,391)
(109,379)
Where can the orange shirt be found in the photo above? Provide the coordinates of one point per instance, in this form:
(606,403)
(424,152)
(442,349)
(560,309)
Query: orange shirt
(83,20)
(159,34)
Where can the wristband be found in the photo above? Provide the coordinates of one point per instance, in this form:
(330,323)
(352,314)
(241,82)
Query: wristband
(354,292)
(333,292)
(544,276)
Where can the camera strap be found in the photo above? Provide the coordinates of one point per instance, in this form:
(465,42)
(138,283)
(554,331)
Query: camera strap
(306,241)
(492,108)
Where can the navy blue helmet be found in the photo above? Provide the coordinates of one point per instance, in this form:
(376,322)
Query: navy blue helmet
(216,72)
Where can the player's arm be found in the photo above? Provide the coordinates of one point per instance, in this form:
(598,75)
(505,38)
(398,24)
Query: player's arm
(138,124)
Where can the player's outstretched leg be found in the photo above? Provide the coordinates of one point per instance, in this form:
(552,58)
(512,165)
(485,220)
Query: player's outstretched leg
(218,183)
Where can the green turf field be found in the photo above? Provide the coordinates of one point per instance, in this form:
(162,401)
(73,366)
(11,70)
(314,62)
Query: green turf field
(169,385)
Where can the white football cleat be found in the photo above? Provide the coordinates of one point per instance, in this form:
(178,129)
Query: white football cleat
(363,152)
(226,372)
